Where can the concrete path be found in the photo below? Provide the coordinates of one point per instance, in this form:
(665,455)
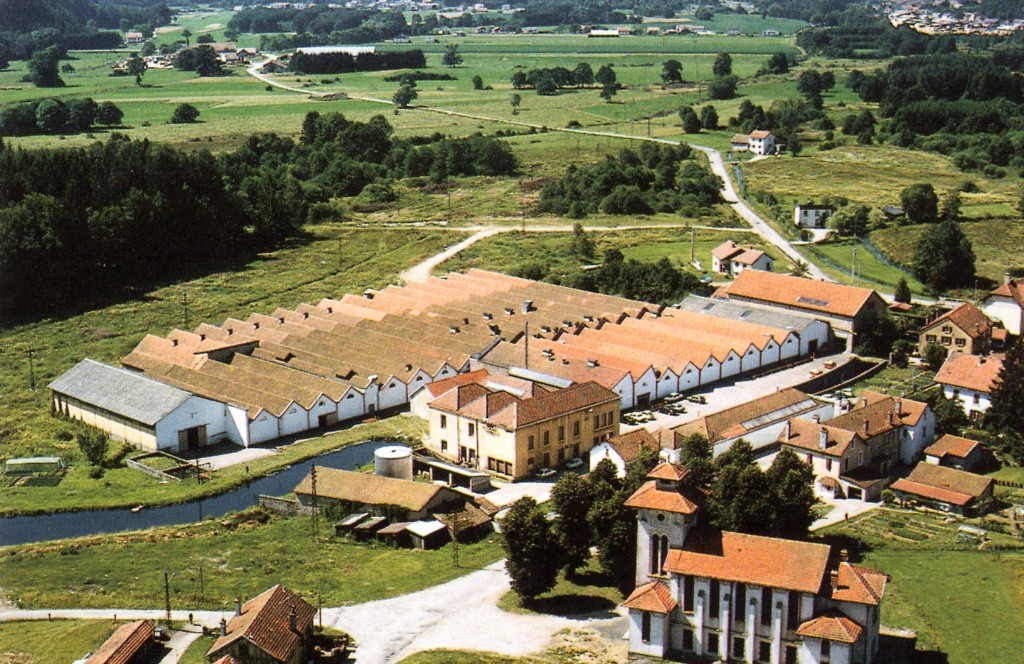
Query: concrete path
(843,509)
(420,272)
(179,643)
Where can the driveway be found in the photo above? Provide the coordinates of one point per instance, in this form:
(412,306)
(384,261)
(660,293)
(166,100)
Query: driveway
(460,614)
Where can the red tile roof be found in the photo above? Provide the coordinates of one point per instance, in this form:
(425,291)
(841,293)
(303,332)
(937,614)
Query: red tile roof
(749,416)
(265,622)
(965,316)
(859,584)
(667,471)
(1012,289)
(654,597)
(649,496)
(806,434)
(972,372)
(801,293)
(833,625)
(124,644)
(760,133)
(628,445)
(950,445)
(881,413)
(509,411)
(439,387)
(947,485)
(763,561)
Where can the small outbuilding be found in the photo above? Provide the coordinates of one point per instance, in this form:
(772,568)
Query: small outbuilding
(945,489)
(427,534)
(132,643)
(32,465)
(956,452)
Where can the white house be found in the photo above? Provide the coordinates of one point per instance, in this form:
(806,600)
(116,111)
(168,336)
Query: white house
(730,258)
(620,450)
(968,379)
(762,142)
(811,216)
(1006,304)
(725,596)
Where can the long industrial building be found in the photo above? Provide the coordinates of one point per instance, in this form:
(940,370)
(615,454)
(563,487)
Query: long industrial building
(313,366)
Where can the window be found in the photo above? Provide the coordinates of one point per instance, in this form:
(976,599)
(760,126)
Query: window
(645,627)
(977,398)
(740,610)
(444,421)
(576,428)
(659,551)
(764,652)
(947,329)
(530,462)
(687,639)
(929,338)
(529,442)
(444,445)
(793,610)
(766,606)
(714,600)
(597,421)
(791,653)
(828,465)
(688,593)
(810,460)
(947,340)
(826,651)
(471,428)
(738,646)
(561,433)
(547,437)
(960,343)
(713,643)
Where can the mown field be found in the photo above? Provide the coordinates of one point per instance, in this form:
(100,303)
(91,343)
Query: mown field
(240,555)
(36,641)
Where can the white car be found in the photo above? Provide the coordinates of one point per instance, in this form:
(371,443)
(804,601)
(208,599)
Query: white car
(545,473)
(574,462)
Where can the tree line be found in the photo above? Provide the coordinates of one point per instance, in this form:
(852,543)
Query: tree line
(78,223)
(346,63)
(733,491)
(57,116)
(859,32)
(657,178)
(367,26)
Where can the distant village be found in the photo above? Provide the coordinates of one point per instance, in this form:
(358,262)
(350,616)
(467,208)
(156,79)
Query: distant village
(942,17)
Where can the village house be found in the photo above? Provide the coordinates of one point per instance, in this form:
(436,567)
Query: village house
(621,450)
(846,308)
(513,436)
(812,216)
(762,142)
(944,489)
(735,597)
(964,328)
(131,643)
(969,379)
(397,499)
(956,452)
(856,454)
(1006,305)
(275,627)
(134,38)
(730,258)
(759,421)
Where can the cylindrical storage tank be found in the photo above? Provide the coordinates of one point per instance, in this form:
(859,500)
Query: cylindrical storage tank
(393,461)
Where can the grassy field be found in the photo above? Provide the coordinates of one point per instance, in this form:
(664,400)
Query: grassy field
(590,592)
(34,641)
(196,653)
(242,555)
(329,261)
(837,258)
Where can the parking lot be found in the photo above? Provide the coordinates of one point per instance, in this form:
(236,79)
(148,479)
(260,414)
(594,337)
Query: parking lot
(732,393)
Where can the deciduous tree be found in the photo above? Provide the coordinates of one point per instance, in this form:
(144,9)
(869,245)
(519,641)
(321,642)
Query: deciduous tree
(43,68)
(572,497)
(452,57)
(671,72)
(944,257)
(722,65)
(533,557)
(920,203)
(184,114)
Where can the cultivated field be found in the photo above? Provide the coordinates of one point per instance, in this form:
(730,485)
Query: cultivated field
(34,641)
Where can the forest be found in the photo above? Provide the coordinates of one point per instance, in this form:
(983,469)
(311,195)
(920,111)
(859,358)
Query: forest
(318,26)
(86,222)
(861,33)
(346,63)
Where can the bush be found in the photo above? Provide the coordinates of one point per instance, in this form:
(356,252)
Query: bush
(96,472)
(184,114)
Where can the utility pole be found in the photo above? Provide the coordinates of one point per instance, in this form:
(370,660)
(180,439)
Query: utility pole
(526,346)
(853,268)
(184,309)
(448,189)
(315,524)
(167,598)
(31,369)
(456,527)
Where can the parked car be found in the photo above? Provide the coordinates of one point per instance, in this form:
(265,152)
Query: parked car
(674,397)
(574,462)
(545,473)
(696,398)
(672,409)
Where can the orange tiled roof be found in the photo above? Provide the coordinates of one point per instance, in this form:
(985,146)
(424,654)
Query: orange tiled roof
(504,409)
(942,483)
(965,316)
(439,387)
(654,597)
(833,625)
(1012,289)
(649,496)
(124,644)
(763,561)
(952,446)
(628,445)
(798,292)
(859,584)
(728,423)
(879,411)
(972,372)
(667,471)
(748,257)
(264,621)
(806,434)
(726,250)
(760,133)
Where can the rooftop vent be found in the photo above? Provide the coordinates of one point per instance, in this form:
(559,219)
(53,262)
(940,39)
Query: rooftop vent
(488,315)
(592,363)
(230,331)
(330,310)
(510,311)
(545,329)
(495,330)
(527,306)
(408,367)
(202,337)
(547,352)
(174,342)
(255,326)
(454,329)
(305,315)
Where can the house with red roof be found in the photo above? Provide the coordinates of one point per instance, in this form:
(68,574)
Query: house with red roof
(944,489)
(708,594)
(730,258)
(620,450)
(1006,305)
(956,452)
(762,142)
(275,627)
(964,328)
(969,379)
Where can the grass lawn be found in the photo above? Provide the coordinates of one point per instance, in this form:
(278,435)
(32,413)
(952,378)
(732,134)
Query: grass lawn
(330,260)
(241,554)
(838,259)
(196,653)
(34,641)
(591,591)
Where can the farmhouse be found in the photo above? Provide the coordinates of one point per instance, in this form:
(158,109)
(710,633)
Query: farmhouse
(943,488)
(134,38)
(131,643)
(730,258)
(139,410)
(855,454)
(964,328)
(846,308)
(1006,305)
(273,66)
(759,422)
(969,379)
(274,627)
(812,216)
(512,436)
(735,597)
(399,500)
(956,452)
(762,142)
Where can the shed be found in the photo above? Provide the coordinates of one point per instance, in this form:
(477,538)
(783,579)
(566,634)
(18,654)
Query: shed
(349,522)
(427,534)
(131,643)
(395,534)
(367,528)
(29,465)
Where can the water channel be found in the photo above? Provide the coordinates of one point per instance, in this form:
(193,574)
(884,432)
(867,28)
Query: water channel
(45,527)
